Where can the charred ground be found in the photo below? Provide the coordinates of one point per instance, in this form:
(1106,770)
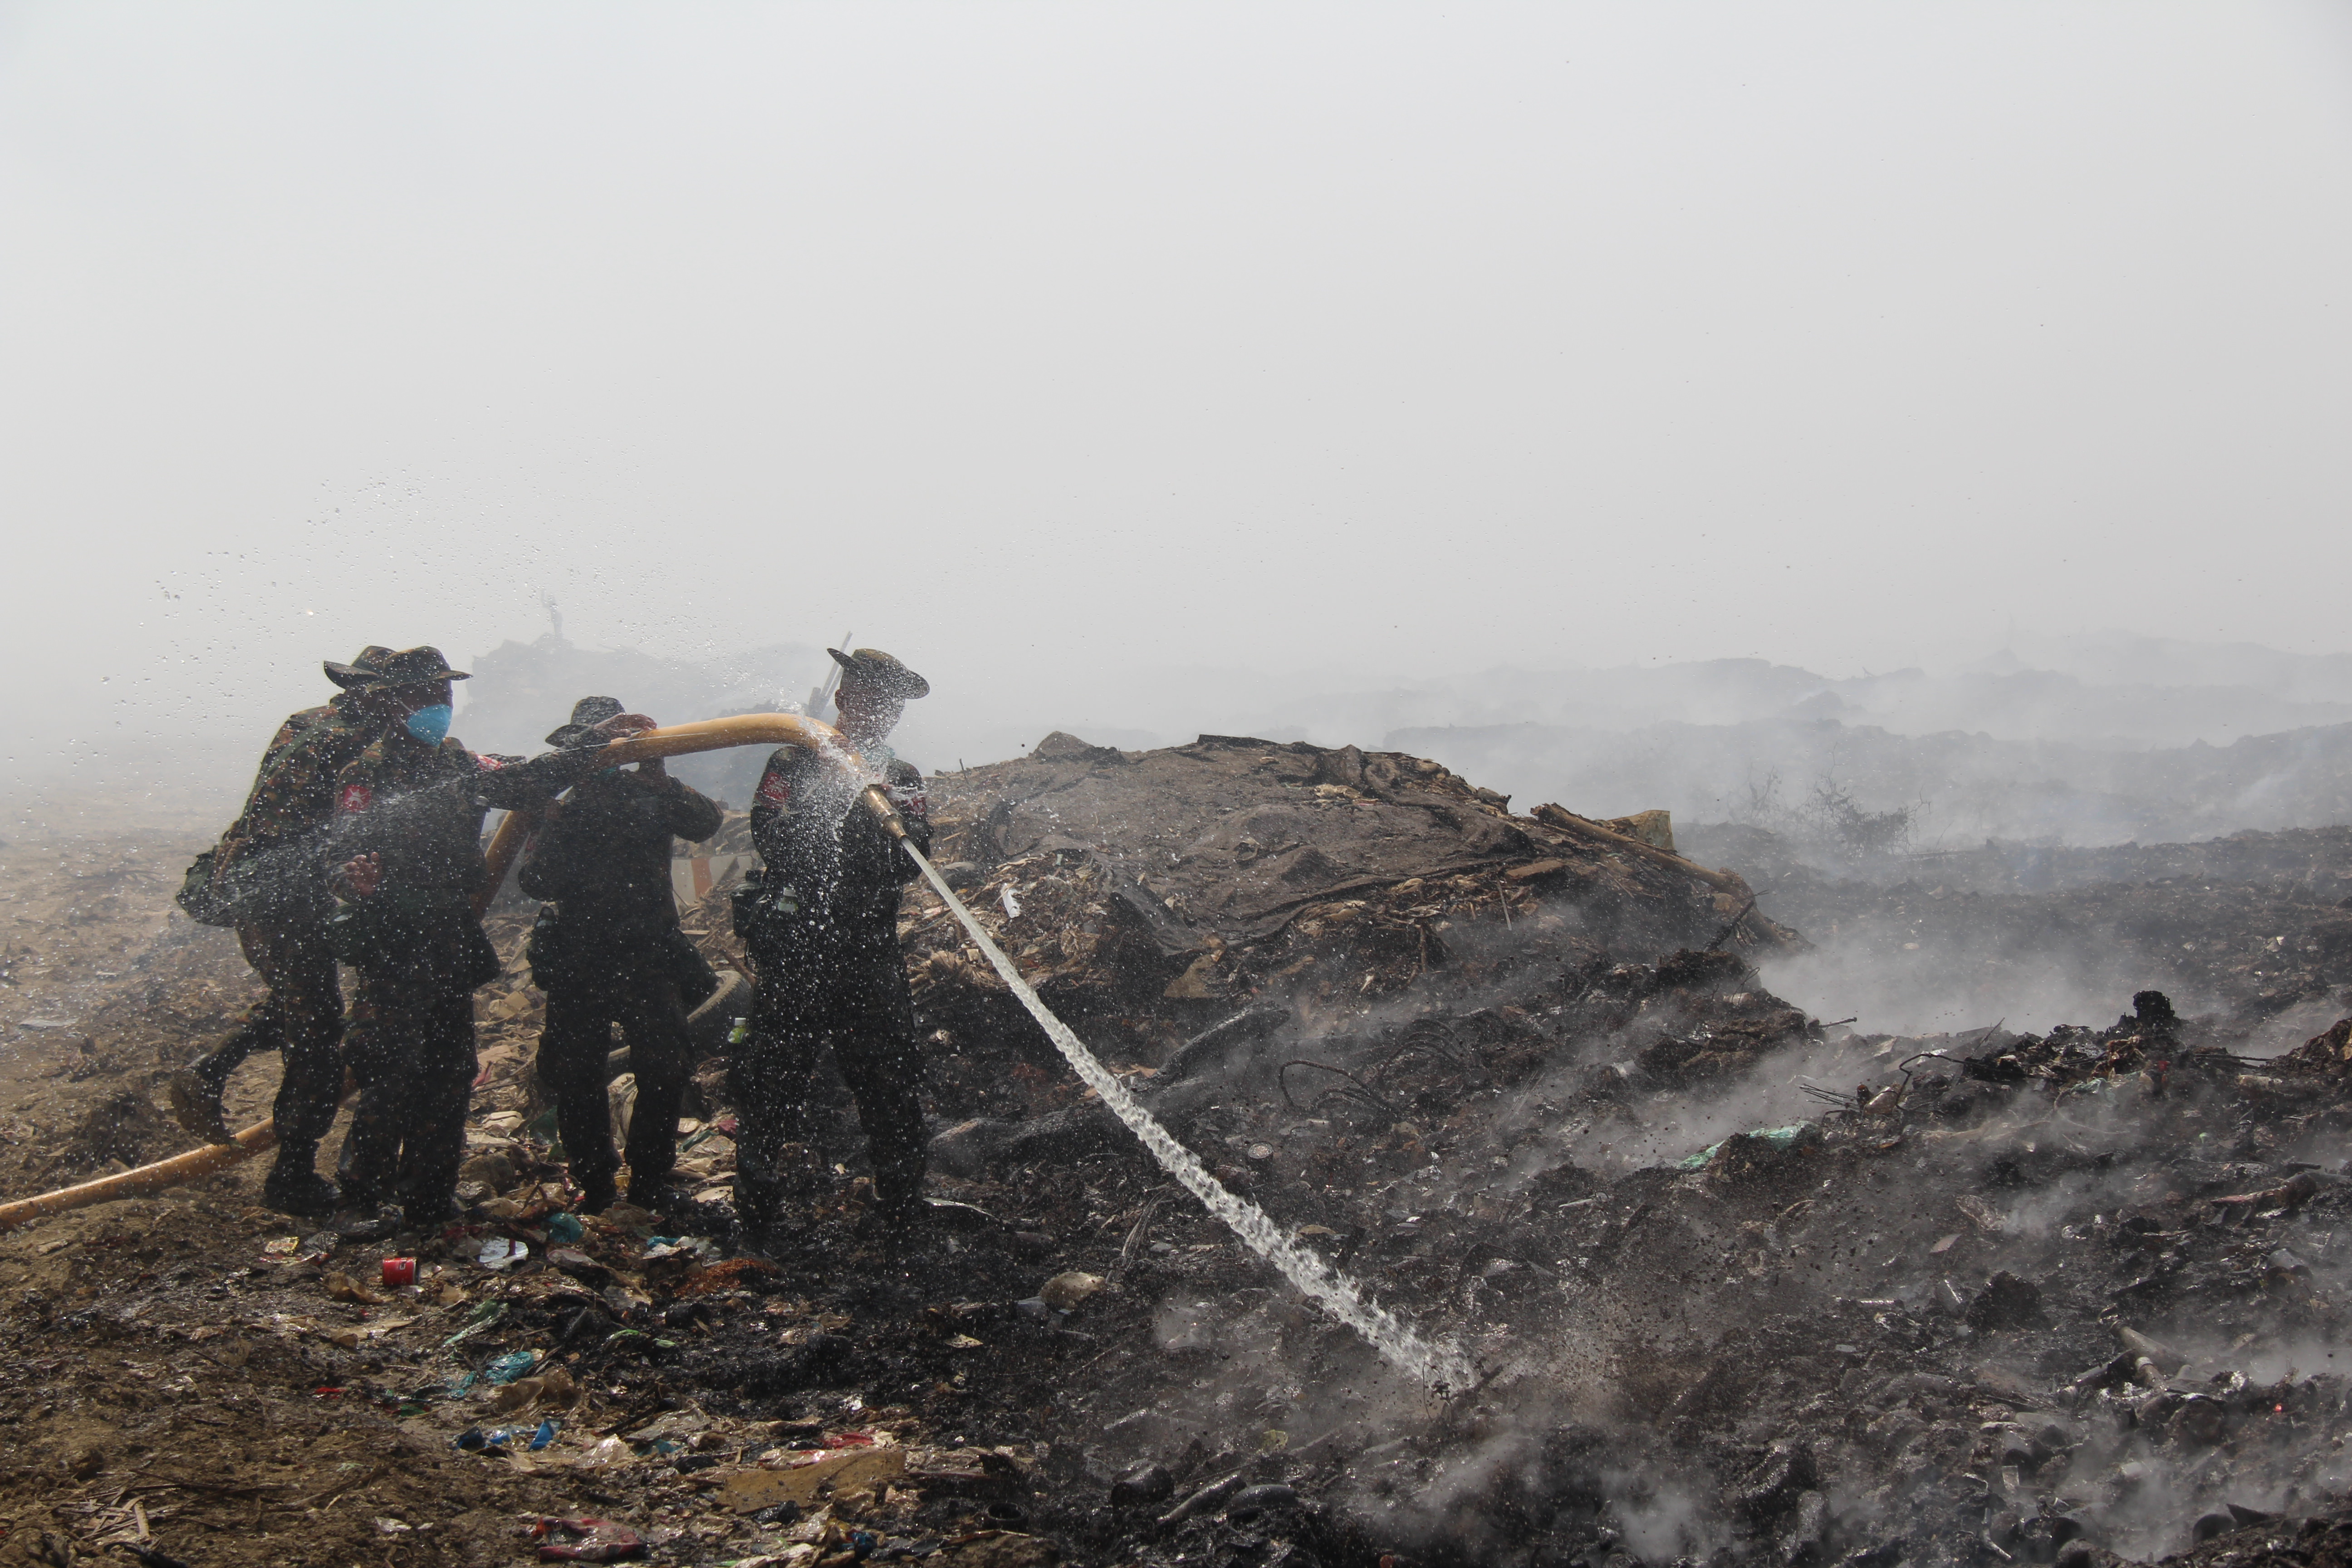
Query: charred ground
(1740,1287)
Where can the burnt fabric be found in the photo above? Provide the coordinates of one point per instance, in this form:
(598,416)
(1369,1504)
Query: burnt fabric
(825,942)
(420,951)
(607,951)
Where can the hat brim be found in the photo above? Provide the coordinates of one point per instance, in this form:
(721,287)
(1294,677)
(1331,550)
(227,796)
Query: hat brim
(569,735)
(903,683)
(349,677)
(437,678)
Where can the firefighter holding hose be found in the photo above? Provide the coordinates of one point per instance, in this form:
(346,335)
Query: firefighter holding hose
(821,929)
(407,839)
(607,950)
(267,877)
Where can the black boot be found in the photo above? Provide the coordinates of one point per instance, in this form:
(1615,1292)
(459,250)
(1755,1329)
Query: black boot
(429,1211)
(597,1190)
(295,1189)
(759,1210)
(667,1197)
(195,1089)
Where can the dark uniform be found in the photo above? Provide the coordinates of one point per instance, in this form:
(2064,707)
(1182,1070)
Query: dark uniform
(281,928)
(825,939)
(421,953)
(608,951)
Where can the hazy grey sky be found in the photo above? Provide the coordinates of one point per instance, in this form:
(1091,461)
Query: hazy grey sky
(1043,343)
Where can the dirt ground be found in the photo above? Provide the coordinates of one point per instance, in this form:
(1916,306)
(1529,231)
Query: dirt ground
(2049,1298)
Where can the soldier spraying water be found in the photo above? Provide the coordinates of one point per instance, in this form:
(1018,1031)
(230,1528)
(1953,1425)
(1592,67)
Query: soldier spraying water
(822,933)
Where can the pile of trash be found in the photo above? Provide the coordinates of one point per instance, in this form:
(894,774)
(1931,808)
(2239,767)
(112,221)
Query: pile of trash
(2258,924)
(1152,892)
(1737,1286)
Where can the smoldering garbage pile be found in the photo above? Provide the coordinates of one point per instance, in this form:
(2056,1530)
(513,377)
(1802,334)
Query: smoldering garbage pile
(1180,905)
(2258,925)
(1739,1287)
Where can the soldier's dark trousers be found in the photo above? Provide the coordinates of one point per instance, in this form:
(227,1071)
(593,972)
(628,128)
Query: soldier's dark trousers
(303,1015)
(638,991)
(412,1048)
(858,1003)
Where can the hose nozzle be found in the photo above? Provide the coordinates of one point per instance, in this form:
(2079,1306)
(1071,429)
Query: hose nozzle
(877,801)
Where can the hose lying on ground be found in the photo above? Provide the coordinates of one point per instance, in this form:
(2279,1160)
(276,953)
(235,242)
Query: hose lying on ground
(170,1173)
(506,843)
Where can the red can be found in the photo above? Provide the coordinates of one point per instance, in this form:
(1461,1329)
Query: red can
(399,1271)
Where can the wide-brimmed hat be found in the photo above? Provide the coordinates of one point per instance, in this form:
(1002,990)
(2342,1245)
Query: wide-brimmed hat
(416,667)
(365,670)
(586,714)
(871,669)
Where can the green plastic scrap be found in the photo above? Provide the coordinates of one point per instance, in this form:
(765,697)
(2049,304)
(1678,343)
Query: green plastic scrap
(1779,1140)
(485,1314)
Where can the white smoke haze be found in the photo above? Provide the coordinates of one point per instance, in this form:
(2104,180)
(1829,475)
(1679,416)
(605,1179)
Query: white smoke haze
(1863,432)
(1181,368)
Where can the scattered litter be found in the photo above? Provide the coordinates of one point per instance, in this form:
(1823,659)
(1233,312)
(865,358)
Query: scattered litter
(484,1315)
(1778,1140)
(585,1540)
(341,1287)
(500,1253)
(801,1475)
(1064,1291)
(556,1386)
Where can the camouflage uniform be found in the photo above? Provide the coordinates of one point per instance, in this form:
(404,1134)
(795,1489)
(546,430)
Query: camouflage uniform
(421,953)
(608,951)
(825,942)
(282,930)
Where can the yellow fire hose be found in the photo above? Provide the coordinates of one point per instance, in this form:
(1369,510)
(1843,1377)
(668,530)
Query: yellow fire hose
(506,843)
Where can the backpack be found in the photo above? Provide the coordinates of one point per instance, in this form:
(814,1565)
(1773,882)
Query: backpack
(199,898)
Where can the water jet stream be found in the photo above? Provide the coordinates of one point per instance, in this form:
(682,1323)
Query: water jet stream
(1439,1365)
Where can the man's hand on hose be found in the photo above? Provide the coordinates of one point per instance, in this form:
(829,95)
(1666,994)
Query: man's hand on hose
(360,876)
(559,770)
(621,726)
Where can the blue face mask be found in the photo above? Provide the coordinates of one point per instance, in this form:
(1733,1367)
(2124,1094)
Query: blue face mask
(430,724)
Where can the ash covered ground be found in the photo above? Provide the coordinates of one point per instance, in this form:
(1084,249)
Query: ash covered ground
(1740,1286)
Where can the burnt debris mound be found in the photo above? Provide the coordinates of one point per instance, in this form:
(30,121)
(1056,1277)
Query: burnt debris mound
(2255,924)
(1739,1287)
(1152,889)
